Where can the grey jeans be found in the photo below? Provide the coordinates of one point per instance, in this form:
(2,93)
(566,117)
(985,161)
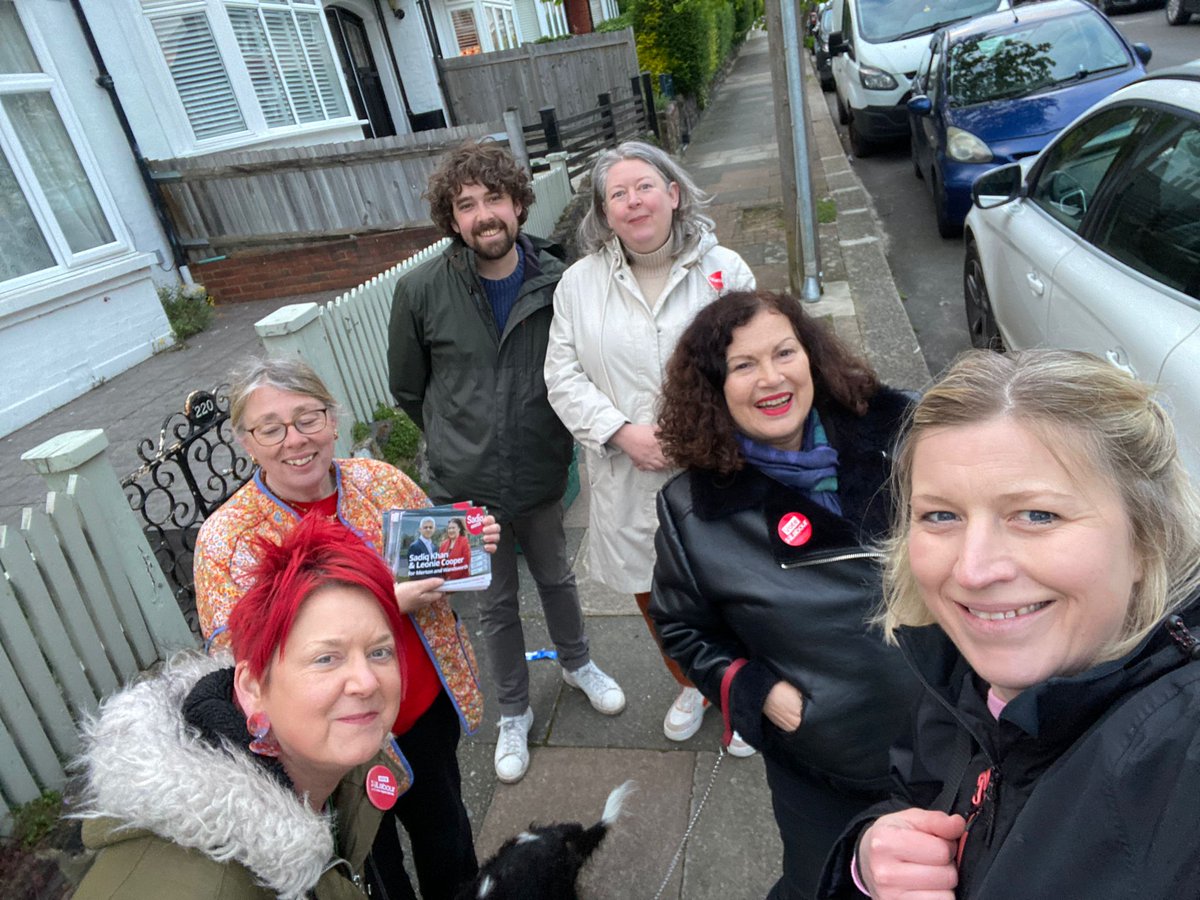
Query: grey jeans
(544,545)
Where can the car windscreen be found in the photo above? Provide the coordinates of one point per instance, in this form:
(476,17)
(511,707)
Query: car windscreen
(1032,58)
(880,21)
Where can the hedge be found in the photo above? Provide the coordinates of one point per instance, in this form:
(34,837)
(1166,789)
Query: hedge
(689,38)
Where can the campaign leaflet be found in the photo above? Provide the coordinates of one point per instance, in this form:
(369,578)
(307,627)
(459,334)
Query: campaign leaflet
(438,542)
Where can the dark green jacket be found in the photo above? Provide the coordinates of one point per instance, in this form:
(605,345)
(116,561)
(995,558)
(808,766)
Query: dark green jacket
(479,396)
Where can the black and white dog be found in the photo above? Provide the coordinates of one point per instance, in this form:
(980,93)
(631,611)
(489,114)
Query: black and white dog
(543,862)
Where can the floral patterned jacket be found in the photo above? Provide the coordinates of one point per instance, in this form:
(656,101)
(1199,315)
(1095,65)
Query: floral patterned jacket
(366,488)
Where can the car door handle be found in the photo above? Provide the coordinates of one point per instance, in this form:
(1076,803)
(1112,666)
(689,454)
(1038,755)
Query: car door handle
(1120,361)
(1035,284)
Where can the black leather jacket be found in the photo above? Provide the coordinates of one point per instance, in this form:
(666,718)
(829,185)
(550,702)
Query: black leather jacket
(727,587)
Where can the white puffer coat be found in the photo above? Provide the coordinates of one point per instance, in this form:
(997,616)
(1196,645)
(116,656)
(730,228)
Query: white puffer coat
(609,347)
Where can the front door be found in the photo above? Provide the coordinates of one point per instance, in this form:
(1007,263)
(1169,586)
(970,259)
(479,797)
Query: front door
(362,76)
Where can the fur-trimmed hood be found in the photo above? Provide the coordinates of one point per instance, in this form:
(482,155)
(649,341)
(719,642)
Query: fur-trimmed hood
(148,771)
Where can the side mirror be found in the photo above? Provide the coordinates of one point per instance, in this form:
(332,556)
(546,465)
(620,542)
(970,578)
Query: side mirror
(1143,52)
(920,105)
(837,44)
(997,187)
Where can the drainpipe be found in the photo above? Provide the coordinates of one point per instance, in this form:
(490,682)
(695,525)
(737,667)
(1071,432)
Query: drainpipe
(104,80)
(387,39)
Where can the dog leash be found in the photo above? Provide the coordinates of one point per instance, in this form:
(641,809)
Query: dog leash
(692,824)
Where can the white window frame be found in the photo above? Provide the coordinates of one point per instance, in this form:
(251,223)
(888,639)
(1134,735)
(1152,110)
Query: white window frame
(241,84)
(479,8)
(66,260)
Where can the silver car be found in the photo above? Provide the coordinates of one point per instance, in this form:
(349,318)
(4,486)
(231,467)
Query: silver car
(1094,244)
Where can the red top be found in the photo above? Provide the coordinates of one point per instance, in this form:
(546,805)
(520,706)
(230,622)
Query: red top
(419,676)
(459,549)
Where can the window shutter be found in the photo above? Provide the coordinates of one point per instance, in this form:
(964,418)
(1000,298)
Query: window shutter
(316,42)
(465,33)
(256,52)
(199,74)
(289,55)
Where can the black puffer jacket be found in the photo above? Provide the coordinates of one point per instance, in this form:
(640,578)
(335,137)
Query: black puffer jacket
(479,396)
(728,588)
(1092,782)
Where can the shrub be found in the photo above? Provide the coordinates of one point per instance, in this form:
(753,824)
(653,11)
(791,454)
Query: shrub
(621,22)
(403,439)
(689,38)
(34,821)
(189,308)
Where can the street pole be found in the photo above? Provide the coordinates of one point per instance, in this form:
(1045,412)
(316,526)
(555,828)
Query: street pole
(793,47)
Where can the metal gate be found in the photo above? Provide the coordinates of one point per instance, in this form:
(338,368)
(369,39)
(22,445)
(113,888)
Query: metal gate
(193,467)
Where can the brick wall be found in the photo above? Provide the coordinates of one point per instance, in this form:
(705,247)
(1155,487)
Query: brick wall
(330,265)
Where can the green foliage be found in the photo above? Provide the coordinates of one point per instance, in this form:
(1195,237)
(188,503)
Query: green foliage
(34,821)
(690,39)
(359,432)
(621,22)
(826,211)
(402,442)
(189,308)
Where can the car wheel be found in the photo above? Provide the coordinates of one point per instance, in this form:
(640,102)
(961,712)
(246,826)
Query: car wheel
(843,113)
(946,227)
(981,321)
(912,144)
(1176,14)
(826,83)
(859,145)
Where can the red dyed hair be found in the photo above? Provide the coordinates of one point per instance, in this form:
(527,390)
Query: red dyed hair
(316,553)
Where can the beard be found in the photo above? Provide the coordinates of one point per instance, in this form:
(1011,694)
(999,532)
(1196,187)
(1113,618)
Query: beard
(495,247)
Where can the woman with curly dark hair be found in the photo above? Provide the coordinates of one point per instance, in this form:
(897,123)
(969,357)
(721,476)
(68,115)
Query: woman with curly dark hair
(765,576)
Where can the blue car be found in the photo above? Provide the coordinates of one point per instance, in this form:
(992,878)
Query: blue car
(999,87)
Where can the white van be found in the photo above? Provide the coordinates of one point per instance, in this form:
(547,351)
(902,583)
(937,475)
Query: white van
(875,51)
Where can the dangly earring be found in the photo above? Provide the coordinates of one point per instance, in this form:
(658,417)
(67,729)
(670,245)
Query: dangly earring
(259,725)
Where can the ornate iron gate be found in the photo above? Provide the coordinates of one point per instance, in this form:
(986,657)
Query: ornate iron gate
(194,467)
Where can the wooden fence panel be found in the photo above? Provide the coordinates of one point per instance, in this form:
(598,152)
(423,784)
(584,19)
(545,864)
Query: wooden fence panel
(64,594)
(104,546)
(34,600)
(17,712)
(34,676)
(564,74)
(226,201)
(16,781)
(93,592)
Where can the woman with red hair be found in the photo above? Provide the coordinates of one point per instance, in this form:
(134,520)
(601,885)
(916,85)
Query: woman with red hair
(213,779)
(287,420)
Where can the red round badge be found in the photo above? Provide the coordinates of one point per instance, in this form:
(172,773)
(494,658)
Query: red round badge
(382,790)
(794,529)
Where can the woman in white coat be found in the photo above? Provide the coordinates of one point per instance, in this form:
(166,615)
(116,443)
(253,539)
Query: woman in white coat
(652,263)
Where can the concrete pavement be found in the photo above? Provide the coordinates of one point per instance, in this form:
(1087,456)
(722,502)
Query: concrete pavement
(578,756)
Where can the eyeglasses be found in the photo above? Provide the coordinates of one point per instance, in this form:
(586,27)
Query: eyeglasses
(310,422)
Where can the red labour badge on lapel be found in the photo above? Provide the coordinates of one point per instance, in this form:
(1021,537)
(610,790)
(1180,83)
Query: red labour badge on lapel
(795,529)
(717,280)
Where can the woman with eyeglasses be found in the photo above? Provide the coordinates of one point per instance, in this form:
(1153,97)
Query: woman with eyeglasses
(286,419)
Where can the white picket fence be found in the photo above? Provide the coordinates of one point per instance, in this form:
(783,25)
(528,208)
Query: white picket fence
(345,340)
(84,607)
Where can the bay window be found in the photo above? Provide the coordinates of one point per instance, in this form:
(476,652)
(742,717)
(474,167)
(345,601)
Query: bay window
(244,67)
(50,213)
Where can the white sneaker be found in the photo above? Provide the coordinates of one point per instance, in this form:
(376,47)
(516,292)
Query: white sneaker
(738,747)
(512,747)
(603,692)
(685,715)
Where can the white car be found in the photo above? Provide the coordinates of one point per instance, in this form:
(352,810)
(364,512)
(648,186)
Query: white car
(1094,244)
